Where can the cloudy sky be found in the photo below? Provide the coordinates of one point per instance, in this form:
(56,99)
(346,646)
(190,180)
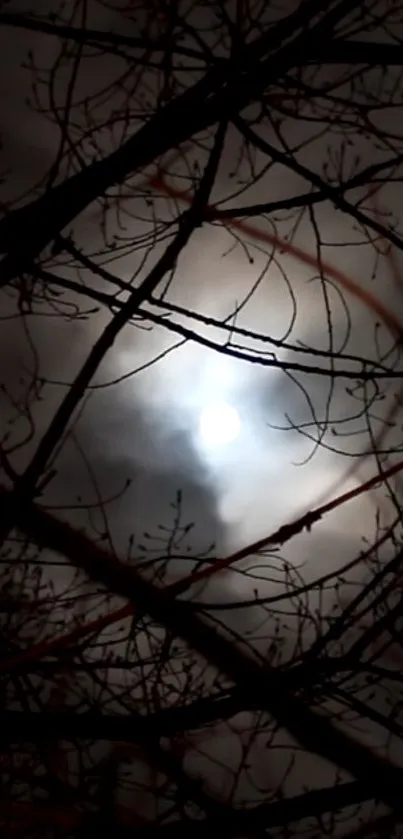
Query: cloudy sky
(141,422)
(146,426)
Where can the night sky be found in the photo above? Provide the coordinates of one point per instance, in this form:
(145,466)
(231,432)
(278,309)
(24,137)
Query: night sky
(138,428)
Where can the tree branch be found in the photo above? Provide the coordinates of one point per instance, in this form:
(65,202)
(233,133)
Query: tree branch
(332,193)
(311,730)
(196,109)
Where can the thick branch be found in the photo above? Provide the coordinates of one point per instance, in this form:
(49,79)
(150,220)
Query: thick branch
(310,729)
(33,727)
(25,486)
(221,93)
(241,822)
(336,52)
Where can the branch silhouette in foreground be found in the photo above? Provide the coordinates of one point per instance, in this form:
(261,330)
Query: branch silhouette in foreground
(188,123)
(195,110)
(309,728)
(279,537)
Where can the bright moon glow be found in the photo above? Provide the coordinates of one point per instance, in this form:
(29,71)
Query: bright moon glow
(219,424)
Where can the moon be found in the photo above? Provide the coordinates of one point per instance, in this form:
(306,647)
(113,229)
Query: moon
(219,424)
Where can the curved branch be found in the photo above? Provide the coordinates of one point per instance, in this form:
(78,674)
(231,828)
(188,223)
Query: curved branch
(333,194)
